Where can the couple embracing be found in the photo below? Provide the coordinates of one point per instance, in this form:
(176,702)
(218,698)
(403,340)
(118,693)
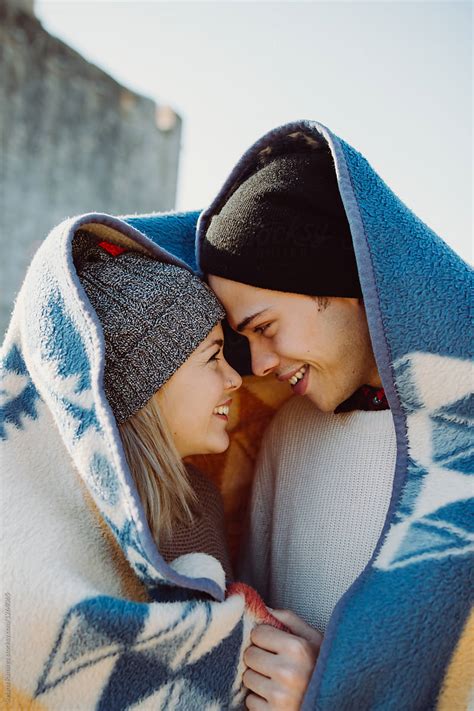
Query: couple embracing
(353,582)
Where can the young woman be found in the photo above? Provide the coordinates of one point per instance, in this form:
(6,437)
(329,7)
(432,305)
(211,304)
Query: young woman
(114,561)
(168,385)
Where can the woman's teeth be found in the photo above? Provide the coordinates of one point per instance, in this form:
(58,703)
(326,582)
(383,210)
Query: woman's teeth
(297,376)
(222,410)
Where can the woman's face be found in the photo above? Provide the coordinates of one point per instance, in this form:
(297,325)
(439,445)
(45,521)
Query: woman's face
(195,401)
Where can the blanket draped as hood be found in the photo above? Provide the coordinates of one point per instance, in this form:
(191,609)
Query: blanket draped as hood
(401,637)
(93,617)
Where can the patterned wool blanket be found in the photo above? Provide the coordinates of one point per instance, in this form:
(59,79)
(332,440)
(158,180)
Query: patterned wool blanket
(402,637)
(93,618)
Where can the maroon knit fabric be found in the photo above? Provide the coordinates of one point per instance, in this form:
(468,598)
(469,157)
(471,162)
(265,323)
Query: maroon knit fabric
(207,533)
(365,398)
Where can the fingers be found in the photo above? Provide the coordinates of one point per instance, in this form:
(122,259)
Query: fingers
(298,626)
(269,638)
(278,642)
(268,695)
(256,703)
(280,664)
(259,660)
(279,678)
(260,685)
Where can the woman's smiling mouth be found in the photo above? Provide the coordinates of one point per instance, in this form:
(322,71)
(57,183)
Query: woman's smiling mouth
(222,411)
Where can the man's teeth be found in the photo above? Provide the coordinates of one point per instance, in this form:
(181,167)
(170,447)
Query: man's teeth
(297,376)
(222,410)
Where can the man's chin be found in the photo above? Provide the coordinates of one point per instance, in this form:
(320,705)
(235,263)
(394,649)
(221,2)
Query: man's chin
(322,404)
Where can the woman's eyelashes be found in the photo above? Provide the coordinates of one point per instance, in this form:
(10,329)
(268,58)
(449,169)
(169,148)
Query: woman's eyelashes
(214,357)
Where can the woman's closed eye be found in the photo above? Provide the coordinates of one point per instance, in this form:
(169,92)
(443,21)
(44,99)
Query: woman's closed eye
(215,356)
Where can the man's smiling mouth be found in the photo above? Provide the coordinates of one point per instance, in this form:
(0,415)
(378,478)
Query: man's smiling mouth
(293,376)
(299,375)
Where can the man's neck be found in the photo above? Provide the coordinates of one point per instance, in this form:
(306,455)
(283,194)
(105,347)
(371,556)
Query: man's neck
(373,378)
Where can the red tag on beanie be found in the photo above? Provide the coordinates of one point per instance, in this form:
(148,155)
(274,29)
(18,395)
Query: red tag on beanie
(112,248)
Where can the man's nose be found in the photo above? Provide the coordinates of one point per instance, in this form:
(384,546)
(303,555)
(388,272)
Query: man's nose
(234,379)
(263,361)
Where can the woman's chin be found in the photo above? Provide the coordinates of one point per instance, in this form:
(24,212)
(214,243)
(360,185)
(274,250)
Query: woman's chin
(222,445)
(216,446)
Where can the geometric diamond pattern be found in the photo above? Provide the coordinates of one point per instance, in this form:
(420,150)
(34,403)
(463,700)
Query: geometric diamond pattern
(432,519)
(175,650)
(157,658)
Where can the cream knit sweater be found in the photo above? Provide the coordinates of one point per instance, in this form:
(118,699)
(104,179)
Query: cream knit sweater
(321,492)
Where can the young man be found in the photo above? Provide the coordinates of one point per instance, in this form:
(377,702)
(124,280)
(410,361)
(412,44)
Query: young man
(326,273)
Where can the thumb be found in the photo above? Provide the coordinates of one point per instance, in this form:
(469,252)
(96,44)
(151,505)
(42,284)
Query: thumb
(298,626)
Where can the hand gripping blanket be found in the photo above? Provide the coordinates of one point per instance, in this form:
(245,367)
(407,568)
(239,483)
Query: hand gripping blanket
(92,616)
(402,637)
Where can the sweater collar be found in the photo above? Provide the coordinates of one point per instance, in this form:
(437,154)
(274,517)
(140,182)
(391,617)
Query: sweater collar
(365,398)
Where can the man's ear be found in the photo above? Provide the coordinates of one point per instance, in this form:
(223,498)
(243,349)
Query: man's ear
(236,350)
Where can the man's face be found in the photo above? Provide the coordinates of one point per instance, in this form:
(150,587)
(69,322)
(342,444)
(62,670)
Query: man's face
(321,347)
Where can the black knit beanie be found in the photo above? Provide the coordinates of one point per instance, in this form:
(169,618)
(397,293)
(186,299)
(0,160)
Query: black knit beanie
(285,229)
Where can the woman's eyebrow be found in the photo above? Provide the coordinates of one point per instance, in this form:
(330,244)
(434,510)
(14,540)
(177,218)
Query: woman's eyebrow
(217,342)
(243,324)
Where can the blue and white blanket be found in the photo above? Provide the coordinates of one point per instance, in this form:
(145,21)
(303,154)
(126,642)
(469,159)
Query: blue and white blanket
(402,637)
(93,618)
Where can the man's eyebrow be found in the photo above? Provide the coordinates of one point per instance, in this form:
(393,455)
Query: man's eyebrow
(217,342)
(243,324)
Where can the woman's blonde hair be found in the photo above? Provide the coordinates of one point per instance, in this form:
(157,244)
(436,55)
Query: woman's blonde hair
(159,473)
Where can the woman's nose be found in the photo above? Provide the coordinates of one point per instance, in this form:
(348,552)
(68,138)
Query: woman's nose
(263,362)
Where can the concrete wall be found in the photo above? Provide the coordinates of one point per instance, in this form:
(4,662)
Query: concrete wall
(73,140)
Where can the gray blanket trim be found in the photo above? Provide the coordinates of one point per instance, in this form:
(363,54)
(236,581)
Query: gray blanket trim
(204,585)
(384,363)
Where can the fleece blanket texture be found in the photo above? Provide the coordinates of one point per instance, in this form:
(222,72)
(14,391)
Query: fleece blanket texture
(93,617)
(402,635)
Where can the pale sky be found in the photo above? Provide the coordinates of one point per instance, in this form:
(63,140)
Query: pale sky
(394,79)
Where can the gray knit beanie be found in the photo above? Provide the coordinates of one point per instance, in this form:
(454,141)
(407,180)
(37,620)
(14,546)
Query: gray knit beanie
(153,315)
